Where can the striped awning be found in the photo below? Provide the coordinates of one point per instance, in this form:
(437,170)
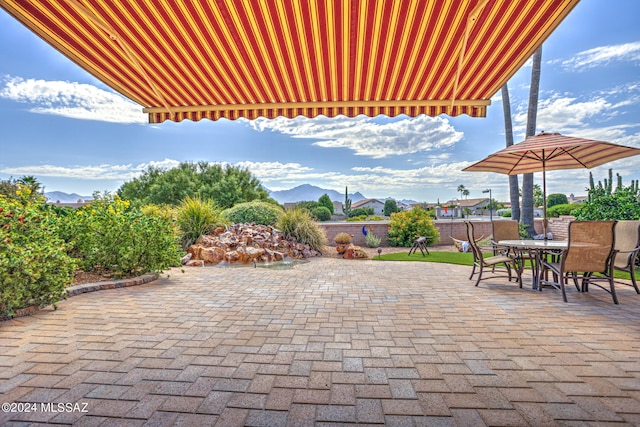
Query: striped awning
(195,59)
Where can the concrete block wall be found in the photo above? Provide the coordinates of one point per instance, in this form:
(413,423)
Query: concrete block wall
(379,228)
(448,228)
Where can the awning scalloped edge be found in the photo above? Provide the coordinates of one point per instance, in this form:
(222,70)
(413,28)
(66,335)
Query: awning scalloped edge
(472,108)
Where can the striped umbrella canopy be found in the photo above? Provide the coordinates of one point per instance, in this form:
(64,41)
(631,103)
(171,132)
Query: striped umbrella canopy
(551,151)
(197,59)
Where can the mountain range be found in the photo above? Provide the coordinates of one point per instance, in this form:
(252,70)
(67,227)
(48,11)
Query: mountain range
(308,192)
(62,197)
(304,192)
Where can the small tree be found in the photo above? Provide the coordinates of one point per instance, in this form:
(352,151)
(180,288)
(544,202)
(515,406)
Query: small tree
(406,226)
(390,206)
(325,201)
(556,199)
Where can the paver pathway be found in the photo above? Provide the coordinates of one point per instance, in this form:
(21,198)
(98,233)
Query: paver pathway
(329,342)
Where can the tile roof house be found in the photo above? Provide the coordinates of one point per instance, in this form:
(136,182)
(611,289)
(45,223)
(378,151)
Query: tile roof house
(471,204)
(375,204)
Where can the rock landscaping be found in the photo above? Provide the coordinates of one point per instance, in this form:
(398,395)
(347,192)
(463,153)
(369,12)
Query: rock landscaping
(245,244)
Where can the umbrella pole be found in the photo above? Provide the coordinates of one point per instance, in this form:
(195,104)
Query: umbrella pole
(544,197)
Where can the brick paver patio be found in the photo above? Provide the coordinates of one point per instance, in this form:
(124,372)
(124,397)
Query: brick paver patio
(330,342)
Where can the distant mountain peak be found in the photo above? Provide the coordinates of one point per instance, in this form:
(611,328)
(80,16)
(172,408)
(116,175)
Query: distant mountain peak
(308,192)
(62,197)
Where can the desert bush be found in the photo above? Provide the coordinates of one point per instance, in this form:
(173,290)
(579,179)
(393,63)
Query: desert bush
(325,201)
(342,237)
(34,266)
(361,212)
(371,240)
(563,209)
(406,226)
(308,204)
(258,212)
(195,217)
(300,225)
(321,213)
(111,237)
(606,202)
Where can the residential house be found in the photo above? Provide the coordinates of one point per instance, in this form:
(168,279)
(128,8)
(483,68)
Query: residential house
(375,204)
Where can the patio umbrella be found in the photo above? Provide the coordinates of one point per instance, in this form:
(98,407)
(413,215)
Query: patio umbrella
(551,151)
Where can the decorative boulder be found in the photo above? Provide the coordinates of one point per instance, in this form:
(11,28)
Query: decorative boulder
(355,252)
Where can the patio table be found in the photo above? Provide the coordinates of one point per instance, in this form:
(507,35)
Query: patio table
(536,250)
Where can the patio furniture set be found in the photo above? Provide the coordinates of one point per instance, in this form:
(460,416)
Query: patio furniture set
(590,256)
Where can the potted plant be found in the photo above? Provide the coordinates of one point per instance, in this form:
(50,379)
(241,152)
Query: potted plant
(343,240)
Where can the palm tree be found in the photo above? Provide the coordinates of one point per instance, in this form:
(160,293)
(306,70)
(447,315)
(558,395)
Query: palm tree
(465,193)
(461,190)
(532,113)
(514,190)
(31,183)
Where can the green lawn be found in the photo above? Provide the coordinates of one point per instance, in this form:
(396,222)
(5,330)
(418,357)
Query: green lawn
(460,258)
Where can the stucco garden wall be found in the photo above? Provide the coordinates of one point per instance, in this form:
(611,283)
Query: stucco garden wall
(448,228)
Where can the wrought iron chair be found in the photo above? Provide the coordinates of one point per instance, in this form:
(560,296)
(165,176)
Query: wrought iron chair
(627,245)
(480,261)
(590,250)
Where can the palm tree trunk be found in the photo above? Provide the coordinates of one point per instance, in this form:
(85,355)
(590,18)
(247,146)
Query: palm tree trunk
(514,190)
(527,179)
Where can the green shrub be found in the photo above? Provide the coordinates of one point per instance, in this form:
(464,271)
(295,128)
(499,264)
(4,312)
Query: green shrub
(300,225)
(405,227)
(196,217)
(321,213)
(362,218)
(165,212)
(361,212)
(390,206)
(309,205)
(556,199)
(111,237)
(372,240)
(34,266)
(564,209)
(505,213)
(253,212)
(325,201)
(606,202)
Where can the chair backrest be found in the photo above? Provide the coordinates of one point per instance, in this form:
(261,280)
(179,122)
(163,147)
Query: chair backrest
(590,246)
(506,229)
(477,253)
(627,235)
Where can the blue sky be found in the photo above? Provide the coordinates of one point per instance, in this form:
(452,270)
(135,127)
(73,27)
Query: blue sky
(75,134)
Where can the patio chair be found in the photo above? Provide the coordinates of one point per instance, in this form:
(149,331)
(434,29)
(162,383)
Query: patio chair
(480,261)
(503,230)
(590,249)
(509,230)
(627,245)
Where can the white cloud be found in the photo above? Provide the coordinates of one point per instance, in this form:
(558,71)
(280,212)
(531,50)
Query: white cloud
(603,55)
(365,136)
(558,113)
(71,99)
(90,172)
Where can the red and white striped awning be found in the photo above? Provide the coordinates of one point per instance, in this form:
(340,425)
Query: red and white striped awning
(195,59)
